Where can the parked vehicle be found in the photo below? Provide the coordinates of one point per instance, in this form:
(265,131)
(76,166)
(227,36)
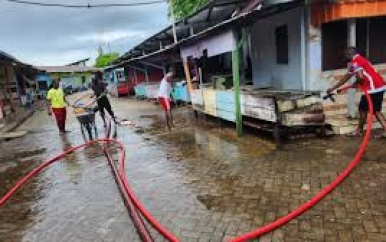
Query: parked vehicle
(118,85)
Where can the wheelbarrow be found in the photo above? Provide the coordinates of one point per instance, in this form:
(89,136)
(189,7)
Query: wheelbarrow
(86,117)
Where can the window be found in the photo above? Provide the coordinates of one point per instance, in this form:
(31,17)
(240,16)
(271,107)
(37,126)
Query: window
(281,34)
(334,42)
(370,41)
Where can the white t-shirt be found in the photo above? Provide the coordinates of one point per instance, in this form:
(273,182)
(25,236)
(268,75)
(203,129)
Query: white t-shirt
(165,89)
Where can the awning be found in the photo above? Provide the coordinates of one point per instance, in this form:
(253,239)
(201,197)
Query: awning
(345,9)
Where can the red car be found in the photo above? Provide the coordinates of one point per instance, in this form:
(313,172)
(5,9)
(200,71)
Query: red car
(123,88)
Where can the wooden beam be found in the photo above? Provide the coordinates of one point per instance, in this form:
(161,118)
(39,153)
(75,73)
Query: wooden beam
(209,13)
(187,75)
(152,65)
(8,75)
(169,36)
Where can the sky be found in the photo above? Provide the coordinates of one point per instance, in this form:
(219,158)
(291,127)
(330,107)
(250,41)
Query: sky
(58,36)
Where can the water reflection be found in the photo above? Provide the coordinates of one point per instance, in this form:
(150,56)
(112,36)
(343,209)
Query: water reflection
(211,163)
(20,211)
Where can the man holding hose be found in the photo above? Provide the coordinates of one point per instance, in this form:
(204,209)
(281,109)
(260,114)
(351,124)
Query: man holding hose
(371,81)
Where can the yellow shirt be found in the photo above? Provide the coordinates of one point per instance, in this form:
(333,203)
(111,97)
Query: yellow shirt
(56,98)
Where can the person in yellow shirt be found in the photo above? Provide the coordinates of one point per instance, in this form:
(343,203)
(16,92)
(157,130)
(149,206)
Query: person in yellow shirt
(57,103)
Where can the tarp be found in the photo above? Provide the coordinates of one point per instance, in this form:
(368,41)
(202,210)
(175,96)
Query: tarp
(215,45)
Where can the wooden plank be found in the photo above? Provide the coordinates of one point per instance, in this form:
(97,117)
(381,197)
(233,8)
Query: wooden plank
(209,96)
(152,90)
(196,97)
(8,79)
(210,110)
(285,106)
(296,119)
(256,101)
(225,97)
(308,101)
(230,116)
(260,113)
(187,76)
(198,107)
(185,96)
(229,107)
(259,126)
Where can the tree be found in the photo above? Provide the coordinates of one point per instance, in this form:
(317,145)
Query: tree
(104,60)
(183,8)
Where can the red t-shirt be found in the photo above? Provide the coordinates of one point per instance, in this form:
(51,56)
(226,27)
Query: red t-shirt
(373,81)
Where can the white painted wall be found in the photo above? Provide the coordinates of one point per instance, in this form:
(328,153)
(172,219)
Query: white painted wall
(216,45)
(266,72)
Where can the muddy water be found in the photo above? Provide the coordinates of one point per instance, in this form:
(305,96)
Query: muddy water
(75,199)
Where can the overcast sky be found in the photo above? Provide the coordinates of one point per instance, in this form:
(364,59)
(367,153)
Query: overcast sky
(58,36)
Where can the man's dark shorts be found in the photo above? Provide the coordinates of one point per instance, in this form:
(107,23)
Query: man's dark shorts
(377,99)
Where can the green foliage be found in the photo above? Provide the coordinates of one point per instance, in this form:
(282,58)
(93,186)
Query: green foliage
(104,60)
(183,8)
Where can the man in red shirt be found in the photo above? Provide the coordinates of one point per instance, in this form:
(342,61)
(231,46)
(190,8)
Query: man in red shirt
(369,79)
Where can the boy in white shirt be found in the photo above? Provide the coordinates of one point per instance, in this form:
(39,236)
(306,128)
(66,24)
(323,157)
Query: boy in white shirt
(164,98)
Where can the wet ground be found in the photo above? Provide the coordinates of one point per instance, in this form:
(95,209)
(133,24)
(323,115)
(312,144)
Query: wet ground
(200,181)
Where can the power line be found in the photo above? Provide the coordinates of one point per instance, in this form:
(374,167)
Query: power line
(85,6)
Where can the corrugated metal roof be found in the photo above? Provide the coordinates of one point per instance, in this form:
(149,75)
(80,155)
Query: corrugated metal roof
(328,11)
(9,58)
(67,69)
(214,13)
(213,28)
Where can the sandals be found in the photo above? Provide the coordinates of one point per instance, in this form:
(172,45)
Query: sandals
(355,133)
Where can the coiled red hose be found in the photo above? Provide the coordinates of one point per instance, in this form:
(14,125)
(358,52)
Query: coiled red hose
(246,237)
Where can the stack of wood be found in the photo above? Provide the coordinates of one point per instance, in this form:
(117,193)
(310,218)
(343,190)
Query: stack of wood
(301,111)
(291,108)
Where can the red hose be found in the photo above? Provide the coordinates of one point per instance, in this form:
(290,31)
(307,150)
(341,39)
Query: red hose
(318,197)
(246,237)
(137,219)
(156,225)
(38,169)
(167,235)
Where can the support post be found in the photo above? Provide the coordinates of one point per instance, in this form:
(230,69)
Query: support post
(8,76)
(135,76)
(187,75)
(236,61)
(147,76)
(236,87)
(351,41)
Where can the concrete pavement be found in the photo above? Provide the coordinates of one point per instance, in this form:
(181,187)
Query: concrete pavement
(201,182)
